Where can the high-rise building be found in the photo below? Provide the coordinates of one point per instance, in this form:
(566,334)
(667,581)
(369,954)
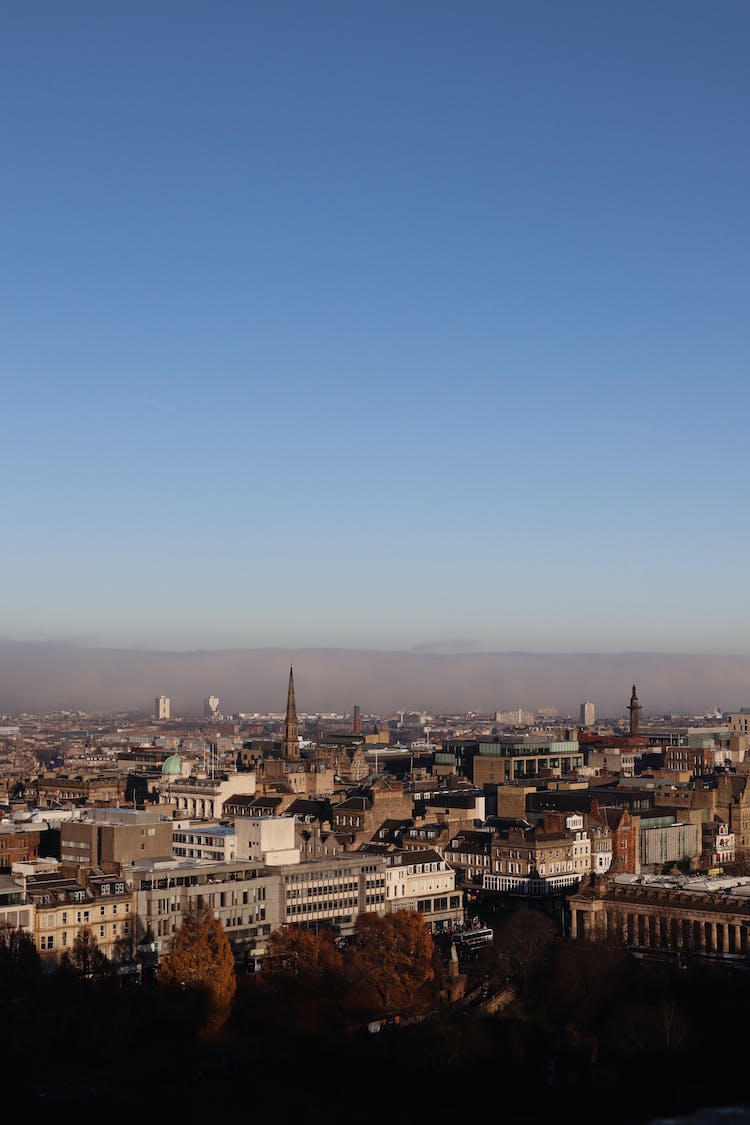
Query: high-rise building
(357,723)
(211,706)
(161,707)
(588,714)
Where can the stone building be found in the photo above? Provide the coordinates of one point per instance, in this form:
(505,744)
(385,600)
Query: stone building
(50,789)
(63,906)
(687,915)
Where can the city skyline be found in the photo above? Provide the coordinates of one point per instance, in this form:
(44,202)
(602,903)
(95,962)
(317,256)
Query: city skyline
(45,678)
(398,328)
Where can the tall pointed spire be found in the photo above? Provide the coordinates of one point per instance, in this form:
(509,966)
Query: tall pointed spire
(291,726)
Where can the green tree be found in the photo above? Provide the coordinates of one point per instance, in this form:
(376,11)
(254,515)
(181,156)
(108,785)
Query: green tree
(201,958)
(85,959)
(394,954)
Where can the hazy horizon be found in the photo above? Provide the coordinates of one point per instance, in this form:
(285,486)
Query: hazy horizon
(39,678)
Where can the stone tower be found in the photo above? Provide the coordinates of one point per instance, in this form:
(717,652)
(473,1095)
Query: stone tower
(291,726)
(634,708)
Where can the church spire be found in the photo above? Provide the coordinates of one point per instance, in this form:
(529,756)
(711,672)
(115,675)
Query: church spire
(291,726)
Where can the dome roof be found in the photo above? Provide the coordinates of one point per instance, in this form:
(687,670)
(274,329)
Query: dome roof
(172,765)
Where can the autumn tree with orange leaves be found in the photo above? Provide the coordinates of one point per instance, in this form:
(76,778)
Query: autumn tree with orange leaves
(395,955)
(297,952)
(201,958)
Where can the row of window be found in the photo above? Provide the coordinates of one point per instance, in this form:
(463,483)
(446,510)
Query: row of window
(47,941)
(83,917)
(321,907)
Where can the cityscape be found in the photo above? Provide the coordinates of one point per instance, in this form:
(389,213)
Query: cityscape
(374,653)
(515,841)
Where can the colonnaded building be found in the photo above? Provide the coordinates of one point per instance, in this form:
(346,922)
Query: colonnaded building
(696,915)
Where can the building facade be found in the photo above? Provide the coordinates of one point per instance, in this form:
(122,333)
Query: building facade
(162,707)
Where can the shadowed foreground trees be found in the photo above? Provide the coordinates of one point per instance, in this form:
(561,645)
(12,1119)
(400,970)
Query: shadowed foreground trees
(85,959)
(599,1032)
(389,964)
(524,943)
(201,960)
(20,967)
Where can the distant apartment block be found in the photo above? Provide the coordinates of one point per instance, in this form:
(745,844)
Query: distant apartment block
(739,721)
(588,714)
(518,717)
(162,708)
(211,706)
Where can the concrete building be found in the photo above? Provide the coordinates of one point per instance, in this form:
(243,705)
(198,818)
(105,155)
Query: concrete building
(15,911)
(107,838)
(267,839)
(244,896)
(333,892)
(162,707)
(211,706)
(516,717)
(665,839)
(198,840)
(588,715)
(508,758)
(611,761)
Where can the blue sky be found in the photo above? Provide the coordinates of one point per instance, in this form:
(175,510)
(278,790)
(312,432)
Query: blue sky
(380,325)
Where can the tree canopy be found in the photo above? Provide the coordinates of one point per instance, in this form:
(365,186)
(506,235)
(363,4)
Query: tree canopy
(201,958)
(297,952)
(395,953)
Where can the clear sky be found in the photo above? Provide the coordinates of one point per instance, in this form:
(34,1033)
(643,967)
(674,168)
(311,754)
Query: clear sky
(375,325)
